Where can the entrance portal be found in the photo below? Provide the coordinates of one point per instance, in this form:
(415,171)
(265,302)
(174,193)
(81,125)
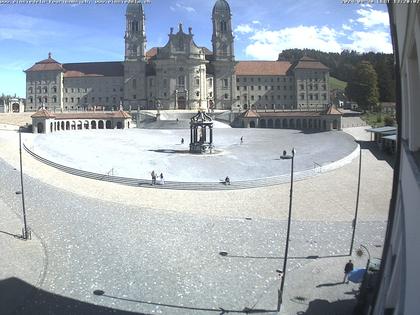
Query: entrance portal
(182,102)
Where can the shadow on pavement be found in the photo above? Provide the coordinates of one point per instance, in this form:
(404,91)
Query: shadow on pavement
(226,254)
(11,234)
(329,284)
(342,307)
(379,154)
(18,297)
(219,310)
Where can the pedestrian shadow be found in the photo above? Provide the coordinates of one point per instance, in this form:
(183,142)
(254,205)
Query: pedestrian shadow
(329,284)
(219,310)
(342,307)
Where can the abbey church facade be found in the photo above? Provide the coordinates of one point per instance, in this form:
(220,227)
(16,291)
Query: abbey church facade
(181,75)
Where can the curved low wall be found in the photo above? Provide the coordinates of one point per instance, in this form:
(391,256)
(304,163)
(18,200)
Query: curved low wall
(261,182)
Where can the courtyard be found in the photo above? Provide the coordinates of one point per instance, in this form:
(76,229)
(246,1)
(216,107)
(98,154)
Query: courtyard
(154,251)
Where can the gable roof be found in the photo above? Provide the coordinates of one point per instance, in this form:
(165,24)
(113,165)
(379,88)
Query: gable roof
(332,110)
(48,64)
(309,63)
(43,113)
(262,67)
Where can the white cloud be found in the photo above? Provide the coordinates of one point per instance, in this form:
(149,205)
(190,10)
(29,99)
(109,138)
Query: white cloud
(376,41)
(256,22)
(184,7)
(346,27)
(171,8)
(370,17)
(243,29)
(267,44)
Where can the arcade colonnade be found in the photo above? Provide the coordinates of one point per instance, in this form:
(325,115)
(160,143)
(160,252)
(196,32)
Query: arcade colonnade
(46,122)
(312,120)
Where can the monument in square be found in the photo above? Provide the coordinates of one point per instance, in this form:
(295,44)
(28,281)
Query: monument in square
(201,133)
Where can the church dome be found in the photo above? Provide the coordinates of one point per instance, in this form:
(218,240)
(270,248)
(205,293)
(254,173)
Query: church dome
(221,6)
(134,8)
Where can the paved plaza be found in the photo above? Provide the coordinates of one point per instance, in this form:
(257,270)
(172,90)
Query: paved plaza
(154,251)
(136,152)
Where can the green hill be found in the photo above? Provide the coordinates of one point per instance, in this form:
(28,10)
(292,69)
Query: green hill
(336,84)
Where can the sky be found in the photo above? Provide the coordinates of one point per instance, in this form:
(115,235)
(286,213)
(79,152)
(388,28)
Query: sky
(84,32)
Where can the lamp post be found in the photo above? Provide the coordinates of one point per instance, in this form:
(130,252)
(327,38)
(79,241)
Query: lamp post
(357,202)
(25,227)
(286,156)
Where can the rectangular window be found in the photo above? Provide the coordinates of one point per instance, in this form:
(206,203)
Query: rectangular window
(266,87)
(72,100)
(259,97)
(252,88)
(197,81)
(237,88)
(226,96)
(252,97)
(244,88)
(225,83)
(134,96)
(85,99)
(259,87)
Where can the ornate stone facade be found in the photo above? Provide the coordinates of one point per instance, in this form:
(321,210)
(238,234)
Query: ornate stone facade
(180,75)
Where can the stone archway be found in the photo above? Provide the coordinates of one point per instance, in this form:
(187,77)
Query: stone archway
(67,125)
(93,124)
(108,124)
(298,125)
(101,124)
(262,123)
(40,127)
(285,124)
(51,127)
(335,124)
(277,123)
(270,123)
(252,124)
(119,125)
(15,108)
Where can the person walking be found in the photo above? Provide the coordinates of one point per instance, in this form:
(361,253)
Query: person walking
(182,140)
(347,269)
(242,140)
(153,174)
(162,181)
(227,180)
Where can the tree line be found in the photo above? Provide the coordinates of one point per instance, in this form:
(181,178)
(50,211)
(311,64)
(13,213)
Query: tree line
(370,76)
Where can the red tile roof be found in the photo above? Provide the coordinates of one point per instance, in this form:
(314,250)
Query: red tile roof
(93,115)
(262,67)
(309,63)
(48,64)
(98,69)
(250,114)
(332,110)
(42,113)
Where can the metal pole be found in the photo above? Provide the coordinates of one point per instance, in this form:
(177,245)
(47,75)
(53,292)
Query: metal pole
(25,228)
(357,201)
(286,251)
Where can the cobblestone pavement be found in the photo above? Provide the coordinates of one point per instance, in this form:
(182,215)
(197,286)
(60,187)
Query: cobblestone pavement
(167,260)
